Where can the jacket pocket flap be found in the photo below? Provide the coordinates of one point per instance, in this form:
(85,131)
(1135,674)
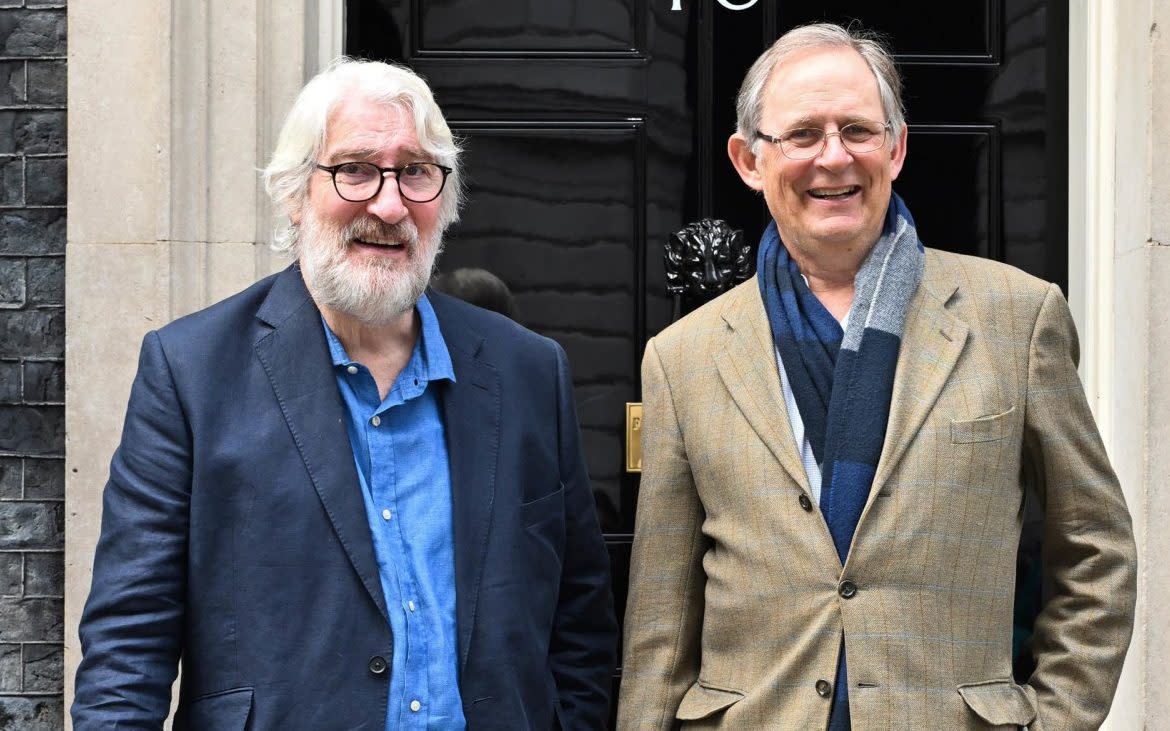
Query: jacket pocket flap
(984,429)
(225,711)
(999,702)
(703,700)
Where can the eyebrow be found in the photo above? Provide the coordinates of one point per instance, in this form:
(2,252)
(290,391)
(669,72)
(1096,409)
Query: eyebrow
(366,154)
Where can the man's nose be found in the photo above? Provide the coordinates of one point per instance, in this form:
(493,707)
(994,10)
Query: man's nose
(834,154)
(389,204)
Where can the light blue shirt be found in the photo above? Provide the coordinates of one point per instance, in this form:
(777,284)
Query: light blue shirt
(400,449)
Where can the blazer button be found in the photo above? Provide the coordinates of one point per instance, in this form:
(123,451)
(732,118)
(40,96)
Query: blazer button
(824,688)
(377,665)
(805,503)
(847,589)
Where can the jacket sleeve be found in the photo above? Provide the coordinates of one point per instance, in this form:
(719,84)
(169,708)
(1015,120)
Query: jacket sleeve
(665,608)
(132,624)
(1089,555)
(583,647)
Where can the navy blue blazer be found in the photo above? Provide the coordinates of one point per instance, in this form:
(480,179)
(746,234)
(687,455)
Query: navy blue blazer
(235,538)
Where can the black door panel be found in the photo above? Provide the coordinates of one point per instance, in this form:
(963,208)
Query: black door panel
(595,128)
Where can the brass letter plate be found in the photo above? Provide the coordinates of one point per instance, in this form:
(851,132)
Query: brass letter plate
(633,437)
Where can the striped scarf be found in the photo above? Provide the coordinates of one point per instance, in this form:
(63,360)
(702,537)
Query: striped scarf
(842,381)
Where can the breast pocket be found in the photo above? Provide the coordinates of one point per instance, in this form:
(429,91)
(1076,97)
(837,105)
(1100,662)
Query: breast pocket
(545,508)
(539,554)
(983,429)
(544,523)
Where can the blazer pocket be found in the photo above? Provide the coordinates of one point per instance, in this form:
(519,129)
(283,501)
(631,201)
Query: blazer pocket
(703,700)
(543,508)
(983,429)
(999,702)
(224,711)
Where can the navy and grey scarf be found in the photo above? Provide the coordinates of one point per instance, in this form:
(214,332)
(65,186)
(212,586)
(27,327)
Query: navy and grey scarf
(842,381)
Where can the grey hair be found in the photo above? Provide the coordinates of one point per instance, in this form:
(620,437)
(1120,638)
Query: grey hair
(302,138)
(749,105)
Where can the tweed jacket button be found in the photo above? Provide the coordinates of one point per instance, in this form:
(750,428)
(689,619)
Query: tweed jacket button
(847,589)
(805,503)
(824,688)
(377,665)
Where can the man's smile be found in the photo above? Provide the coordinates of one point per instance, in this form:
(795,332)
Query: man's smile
(838,193)
(380,243)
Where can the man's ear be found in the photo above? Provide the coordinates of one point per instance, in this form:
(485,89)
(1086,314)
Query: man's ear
(745,161)
(898,154)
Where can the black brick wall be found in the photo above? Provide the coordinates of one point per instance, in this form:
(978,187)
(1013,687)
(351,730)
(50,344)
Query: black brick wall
(32,371)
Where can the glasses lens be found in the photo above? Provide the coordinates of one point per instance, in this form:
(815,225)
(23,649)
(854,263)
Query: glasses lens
(357,181)
(802,143)
(863,137)
(420,181)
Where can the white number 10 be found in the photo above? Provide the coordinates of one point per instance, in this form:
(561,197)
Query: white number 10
(725,3)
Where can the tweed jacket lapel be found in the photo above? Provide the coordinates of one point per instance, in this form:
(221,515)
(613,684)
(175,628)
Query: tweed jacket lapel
(747,365)
(931,344)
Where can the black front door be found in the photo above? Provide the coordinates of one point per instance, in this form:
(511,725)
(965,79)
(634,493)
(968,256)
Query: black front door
(595,128)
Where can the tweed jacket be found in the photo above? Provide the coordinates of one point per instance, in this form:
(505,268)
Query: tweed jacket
(738,600)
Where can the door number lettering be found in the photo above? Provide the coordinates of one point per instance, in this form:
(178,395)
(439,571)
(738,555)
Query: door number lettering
(725,3)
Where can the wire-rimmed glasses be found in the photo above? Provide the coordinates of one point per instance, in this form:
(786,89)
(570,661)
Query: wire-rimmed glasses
(804,143)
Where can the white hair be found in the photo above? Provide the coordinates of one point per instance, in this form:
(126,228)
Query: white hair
(749,105)
(302,138)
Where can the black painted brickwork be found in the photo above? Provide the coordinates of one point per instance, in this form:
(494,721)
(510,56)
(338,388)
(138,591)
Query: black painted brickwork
(32,369)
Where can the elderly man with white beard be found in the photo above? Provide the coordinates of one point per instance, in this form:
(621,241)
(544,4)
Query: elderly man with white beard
(340,500)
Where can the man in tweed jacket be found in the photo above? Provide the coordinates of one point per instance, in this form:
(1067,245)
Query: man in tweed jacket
(746,610)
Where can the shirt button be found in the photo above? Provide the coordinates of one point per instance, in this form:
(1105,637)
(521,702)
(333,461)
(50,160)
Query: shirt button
(824,688)
(351,370)
(805,503)
(376,420)
(410,605)
(386,514)
(847,589)
(377,665)
(415,706)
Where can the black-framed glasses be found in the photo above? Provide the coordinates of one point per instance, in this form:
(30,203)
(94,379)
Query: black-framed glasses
(358,182)
(805,143)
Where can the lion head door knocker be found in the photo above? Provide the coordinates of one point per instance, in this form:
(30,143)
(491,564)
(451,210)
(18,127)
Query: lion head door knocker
(705,259)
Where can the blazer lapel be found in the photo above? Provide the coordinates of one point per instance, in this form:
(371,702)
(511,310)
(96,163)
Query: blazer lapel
(747,365)
(471,415)
(931,343)
(296,358)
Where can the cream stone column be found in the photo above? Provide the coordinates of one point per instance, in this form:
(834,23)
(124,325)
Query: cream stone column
(173,108)
(1156,568)
(1119,268)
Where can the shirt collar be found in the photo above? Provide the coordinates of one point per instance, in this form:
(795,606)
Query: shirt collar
(430,361)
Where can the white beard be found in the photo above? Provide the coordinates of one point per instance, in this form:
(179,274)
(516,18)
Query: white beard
(373,291)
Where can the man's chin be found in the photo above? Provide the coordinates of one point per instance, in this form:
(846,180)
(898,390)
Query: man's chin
(842,232)
(380,315)
(384,305)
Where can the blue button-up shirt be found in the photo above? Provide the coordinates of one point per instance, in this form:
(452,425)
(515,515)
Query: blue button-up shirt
(400,450)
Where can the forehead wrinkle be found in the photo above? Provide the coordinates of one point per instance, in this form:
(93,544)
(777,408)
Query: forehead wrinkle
(371,154)
(818,121)
(822,84)
(358,154)
(362,130)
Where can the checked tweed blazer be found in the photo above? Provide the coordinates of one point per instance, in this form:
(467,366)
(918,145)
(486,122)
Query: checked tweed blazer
(738,601)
